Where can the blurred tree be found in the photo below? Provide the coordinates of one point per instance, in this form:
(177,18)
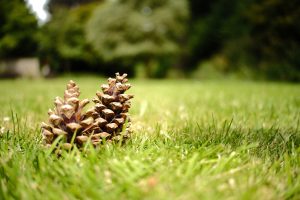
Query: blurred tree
(261,35)
(212,23)
(18,28)
(52,5)
(62,40)
(133,31)
(275,37)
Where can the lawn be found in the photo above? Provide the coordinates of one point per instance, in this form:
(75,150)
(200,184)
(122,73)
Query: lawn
(192,140)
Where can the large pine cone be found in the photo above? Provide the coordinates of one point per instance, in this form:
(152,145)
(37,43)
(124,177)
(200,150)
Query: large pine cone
(68,118)
(111,109)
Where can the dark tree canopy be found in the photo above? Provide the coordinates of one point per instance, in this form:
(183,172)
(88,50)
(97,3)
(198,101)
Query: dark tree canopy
(260,34)
(18,28)
(54,4)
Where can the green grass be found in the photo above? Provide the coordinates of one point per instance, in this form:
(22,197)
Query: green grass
(191,140)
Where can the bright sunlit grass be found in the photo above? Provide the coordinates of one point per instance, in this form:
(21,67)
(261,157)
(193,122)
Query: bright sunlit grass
(191,140)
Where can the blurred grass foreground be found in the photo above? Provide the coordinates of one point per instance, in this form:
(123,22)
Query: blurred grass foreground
(191,140)
(153,38)
(193,137)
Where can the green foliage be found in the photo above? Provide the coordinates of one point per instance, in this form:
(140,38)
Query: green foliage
(52,5)
(262,35)
(154,38)
(274,43)
(62,42)
(18,28)
(132,30)
(213,140)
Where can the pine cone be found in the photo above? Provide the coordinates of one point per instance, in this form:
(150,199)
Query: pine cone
(67,119)
(111,109)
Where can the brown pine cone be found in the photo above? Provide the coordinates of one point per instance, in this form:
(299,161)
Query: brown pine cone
(68,119)
(111,110)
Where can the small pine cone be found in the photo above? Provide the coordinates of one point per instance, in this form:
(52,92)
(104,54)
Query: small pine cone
(67,118)
(111,109)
